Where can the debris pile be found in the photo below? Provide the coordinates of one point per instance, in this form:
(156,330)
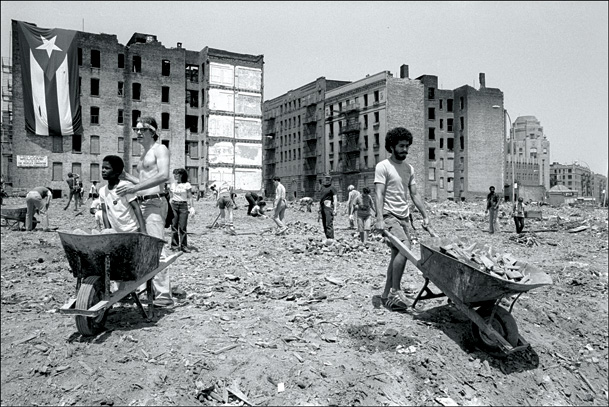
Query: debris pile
(487,260)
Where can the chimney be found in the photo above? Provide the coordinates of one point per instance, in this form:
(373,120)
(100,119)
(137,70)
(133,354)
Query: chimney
(482,80)
(404,71)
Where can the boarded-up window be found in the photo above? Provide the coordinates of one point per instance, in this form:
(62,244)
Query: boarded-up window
(121,145)
(57,144)
(57,172)
(192,149)
(94,172)
(220,99)
(94,144)
(135,147)
(76,168)
(432,174)
(193,175)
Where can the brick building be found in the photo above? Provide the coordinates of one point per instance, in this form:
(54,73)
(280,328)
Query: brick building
(294,138)
(459,141)
(200,99)
(575,177)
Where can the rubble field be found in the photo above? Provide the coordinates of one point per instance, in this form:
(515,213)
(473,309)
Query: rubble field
(262,319)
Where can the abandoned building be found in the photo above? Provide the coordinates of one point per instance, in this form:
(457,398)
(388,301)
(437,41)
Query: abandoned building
(458,136)
(208,105)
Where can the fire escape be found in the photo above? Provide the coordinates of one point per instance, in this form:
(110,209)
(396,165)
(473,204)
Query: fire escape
(6,146)
(269,152)
(349,136)
(309,136)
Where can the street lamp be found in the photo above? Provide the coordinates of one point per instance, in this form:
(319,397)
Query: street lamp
(513,183)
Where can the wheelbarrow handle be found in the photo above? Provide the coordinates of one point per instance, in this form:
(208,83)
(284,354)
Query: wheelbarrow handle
(405,251)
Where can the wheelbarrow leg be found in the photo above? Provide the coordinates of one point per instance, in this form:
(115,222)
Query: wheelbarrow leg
(428,294)
(136,298)
(150,292)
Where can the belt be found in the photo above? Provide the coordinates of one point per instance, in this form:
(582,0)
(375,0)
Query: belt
(146,197)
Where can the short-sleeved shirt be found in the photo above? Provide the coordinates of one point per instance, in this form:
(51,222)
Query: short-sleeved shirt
(492,201)
(120,213)
(397,178)
(327,194)
(224,191)
(280,192)
(364,205)
(179,191)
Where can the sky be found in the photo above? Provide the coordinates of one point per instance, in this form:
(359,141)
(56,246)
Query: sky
(550,59)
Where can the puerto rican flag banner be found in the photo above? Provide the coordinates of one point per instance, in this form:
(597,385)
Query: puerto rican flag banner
(49,67)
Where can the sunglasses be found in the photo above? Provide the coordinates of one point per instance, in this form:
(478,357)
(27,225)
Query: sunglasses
(140,129)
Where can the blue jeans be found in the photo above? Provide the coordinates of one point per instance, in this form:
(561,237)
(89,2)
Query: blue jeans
(179,223)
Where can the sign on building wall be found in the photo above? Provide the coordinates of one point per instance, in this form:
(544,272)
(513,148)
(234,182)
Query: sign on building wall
(248,179)
(248,78)
(219,175)
(220,99)
(221,74)
(248,154)
(250,129)
(248,103)
(221,126)
(32,161)
(222,152)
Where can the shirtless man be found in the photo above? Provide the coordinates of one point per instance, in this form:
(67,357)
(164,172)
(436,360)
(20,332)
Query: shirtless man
(153,169)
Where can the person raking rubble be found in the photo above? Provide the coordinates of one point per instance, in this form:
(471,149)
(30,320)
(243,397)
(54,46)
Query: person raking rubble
(394,180)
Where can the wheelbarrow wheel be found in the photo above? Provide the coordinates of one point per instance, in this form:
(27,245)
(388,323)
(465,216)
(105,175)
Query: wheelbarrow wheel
(90,293)
(503,322)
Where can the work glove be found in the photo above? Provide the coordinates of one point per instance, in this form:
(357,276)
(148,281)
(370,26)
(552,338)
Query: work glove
(350,217)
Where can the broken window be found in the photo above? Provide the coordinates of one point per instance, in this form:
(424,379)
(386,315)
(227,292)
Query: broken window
(94,115)
(137,63)
(136,90)
(462,142)
(461,123)
(432,133)
(76,143)
(431,113)
(121,89)
(165,94)
(95,58)
(461,103)
(441,104)
(432,174)
(192,98)
(449,105)
(450,144)
(121,61)
(432,154)
(94,87)
(79,56)
(192,73)
(165,67)
(192,124)
(376,140)
(165,121)
(135,114)
(376,96)
(431,93)
(449,125)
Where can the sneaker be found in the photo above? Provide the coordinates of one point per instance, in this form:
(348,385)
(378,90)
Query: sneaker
(185,249)
(396,301)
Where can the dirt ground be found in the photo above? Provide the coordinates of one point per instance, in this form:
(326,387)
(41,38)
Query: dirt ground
(286,320)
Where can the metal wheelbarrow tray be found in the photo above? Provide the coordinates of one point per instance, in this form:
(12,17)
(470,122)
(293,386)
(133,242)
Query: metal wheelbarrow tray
(95,260)
(476,294)
(13,215)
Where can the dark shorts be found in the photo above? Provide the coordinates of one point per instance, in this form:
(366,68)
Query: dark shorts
(398,228)
(225,202)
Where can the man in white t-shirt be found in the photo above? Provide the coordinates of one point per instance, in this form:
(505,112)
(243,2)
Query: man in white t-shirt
(121,213)
(279,204)
(394,180)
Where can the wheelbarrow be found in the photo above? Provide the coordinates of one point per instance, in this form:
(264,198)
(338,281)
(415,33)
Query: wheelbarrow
(96,260)
(13,216)
(476,294)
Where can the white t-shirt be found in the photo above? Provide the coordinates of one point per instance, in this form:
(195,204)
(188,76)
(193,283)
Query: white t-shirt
(397,179)
(280,192)
(120,213)
(179,191)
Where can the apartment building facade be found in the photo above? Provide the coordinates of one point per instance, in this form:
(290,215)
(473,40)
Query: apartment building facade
(575,177)
(459,143)
(186,91)
(294,139)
